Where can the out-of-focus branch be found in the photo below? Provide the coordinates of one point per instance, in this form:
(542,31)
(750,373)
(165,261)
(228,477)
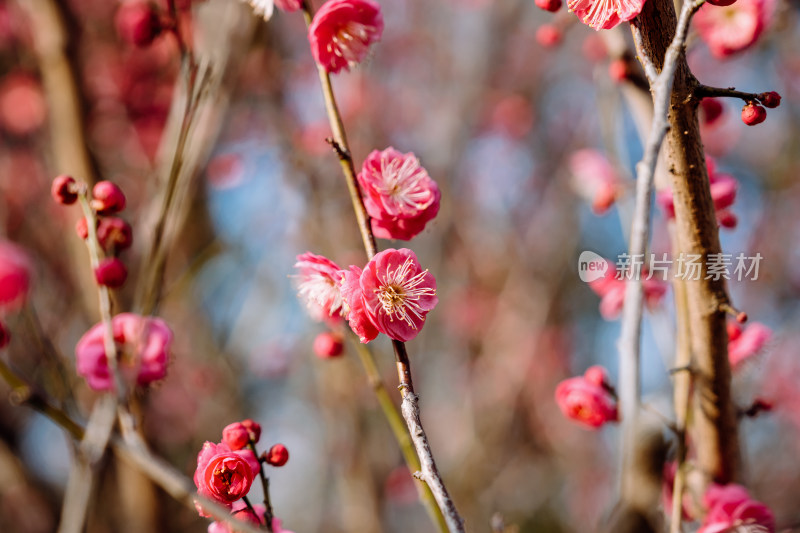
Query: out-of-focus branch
(713,428)
(630,338)
(132,450)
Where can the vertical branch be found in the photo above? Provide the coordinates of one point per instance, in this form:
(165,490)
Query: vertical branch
(714,421)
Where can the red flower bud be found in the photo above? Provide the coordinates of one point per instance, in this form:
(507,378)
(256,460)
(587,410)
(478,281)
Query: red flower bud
(277,455)
(107,198)
(753,114)
(63,190)
(253,428)
(114,234)
(548,35)
(548,5)
(711,109)
(328,344)
(5,337)
(235,436)
(82,228)
(721,3)
(770,99)
(618,70)
(138,23)
(111,272)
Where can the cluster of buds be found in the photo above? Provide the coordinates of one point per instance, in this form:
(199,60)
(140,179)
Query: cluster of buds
(753,113)
(112,233)
(226,470)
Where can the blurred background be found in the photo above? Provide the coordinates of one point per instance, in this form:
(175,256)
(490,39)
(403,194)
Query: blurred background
(494,110)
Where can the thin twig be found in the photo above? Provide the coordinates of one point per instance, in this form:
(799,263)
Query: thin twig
(630,337)
(409,407)
(705,91)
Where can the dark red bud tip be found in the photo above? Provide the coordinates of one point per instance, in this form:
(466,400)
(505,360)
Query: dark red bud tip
(278,455)
(138,23)
(64,190)
(753,114)
(114,234)
(741,318)
(107,198)
(549,5)
(770,99)
(721,3)
(711,110)
(111,272)
(5,336)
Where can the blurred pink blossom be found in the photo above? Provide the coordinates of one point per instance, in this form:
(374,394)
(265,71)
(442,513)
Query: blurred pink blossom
(604,15)
(745,343)
(731,509)
(143,345)
(240,511)
(734,28)
(612,291)
(594,178)
(398,194)
(342,32)
(15,276)
(22,105)
(723,193)
(587,399)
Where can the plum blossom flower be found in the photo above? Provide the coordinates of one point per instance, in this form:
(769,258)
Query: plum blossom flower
(731,29)
(224,475)
(595,179)
(605,14)
(399,195)
(746,343)
(731,510)
(318,286)
(723,194)
(393,296)
(588,399)
(612,291)
(15,276)
(342,32)
(143,345)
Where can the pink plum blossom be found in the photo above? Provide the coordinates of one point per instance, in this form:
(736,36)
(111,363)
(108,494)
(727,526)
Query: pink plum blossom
(731,510)
(393,296)
(15,276)
(595,179)
(746,343)
(318,286)
(398,194)
(240,511)
(143,345)
(588,399)
(605,14)
(224,475)
(342,32)
(731,29)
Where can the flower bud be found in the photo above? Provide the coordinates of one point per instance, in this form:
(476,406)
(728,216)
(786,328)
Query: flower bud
(548,35)
(63,190)
(253,428)
(753,114)
(107,198)
(711,109)
(721,3)
(618,70)
(548,5)
(114,234)
(82,228)
(111,272)
(138,23)
(277,455)
(328,345)
(236,436)
(770,99)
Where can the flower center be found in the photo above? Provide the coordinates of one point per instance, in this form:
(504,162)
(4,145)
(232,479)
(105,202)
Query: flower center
(400,294)
(351,41)
(401,180)
(321,290)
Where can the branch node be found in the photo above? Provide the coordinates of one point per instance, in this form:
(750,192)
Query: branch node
(341,152)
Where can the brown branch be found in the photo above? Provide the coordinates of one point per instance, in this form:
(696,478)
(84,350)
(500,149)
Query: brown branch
(713,428)
(704,91)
